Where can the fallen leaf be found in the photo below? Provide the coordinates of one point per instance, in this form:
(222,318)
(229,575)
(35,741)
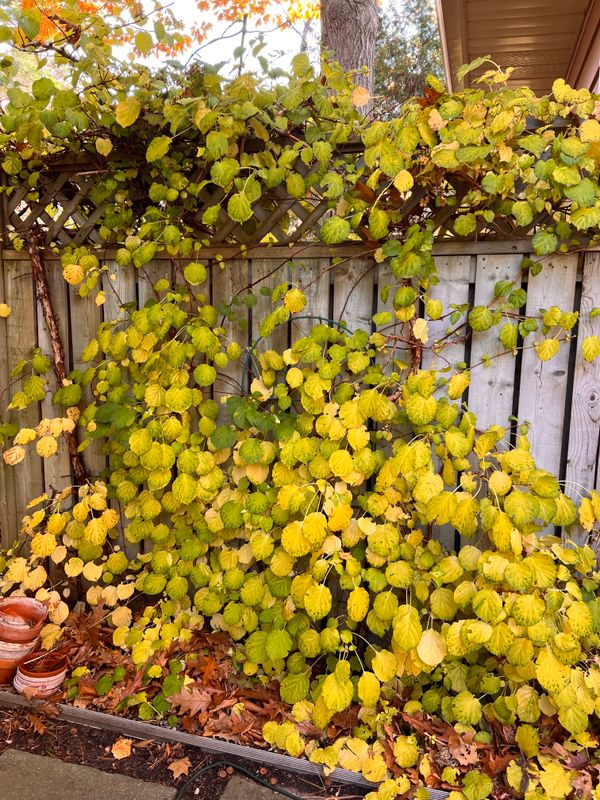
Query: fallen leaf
(191,702)
(36,722)
(463,751)
(180,767)
(121,748)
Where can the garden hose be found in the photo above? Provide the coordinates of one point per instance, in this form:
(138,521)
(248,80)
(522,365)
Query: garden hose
(201,770)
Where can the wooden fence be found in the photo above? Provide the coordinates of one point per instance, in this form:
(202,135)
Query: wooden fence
(560,398)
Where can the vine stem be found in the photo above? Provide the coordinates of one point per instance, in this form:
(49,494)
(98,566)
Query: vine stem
(42,293)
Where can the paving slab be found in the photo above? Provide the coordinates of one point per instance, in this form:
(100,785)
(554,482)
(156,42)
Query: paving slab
(25,776)
(240,788)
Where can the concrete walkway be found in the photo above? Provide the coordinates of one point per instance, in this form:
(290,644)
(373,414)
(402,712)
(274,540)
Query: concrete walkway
(24,776)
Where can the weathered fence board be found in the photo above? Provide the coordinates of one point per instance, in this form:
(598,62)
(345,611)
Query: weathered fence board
(559,399)
(491,390)
(543,387)
(27,481)
(584,431)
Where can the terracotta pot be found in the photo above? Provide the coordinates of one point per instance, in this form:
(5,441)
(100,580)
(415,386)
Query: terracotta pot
(21,619)
(11,655)
(41,676)
(8,669)
(16,651)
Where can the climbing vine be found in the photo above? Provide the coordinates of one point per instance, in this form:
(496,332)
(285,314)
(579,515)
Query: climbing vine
(299,516)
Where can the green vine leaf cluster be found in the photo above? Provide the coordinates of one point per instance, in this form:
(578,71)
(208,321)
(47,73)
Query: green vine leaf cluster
(179,156)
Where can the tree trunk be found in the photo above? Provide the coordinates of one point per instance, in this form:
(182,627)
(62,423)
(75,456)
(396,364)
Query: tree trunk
(349,29)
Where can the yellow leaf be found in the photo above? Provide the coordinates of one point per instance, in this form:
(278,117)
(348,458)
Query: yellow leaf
(73,567)
(17,570)
(586,514)
(404,181)
(384,665)
(49,635)
(432,648)
(59,554)
(43,544)
(92,572)
(121,617)
(35,579)
(46,446)
(127,111)
(5,311)
(420,330)
(24,436)
(547,349)
(59,614)
(125,590)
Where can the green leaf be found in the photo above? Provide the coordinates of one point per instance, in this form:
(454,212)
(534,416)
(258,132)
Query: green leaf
(523,213)
(158,147)
(335,230)
(217,144)
(378,223)
(481,318)
(294,688)
(584,194)
(239,208)
(185,488)
(476,785)
(224,171)
(195,273)
(128,111)
(544,243)
(279,645)
(144,42)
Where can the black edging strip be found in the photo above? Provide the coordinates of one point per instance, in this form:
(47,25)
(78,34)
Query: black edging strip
(145,730)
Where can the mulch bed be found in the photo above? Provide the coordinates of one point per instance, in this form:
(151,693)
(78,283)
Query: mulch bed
(43,735)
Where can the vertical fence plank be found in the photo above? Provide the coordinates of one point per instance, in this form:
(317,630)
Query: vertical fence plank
(266,274)
(8,518)
(353,283)
(119,288)
(543,387)
(492,387)
(21,335)
(119,285)
(397,350)
(585,409)
(454,277)
(57,470)
(313,277)
(227,283)
(147,277)
(85,317)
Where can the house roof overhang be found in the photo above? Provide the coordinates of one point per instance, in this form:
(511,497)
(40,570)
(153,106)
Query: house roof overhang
(542,39)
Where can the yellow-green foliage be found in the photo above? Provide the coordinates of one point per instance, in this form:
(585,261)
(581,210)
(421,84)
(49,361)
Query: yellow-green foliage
(301,516)
(294,520)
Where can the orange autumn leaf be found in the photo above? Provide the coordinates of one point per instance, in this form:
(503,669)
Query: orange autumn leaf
(180,767)
(55,20)
(121,748)
(360,96)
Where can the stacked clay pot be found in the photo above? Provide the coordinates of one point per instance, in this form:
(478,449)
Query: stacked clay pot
(21,620)
(41,675)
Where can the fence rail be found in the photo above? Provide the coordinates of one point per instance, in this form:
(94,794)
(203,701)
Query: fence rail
(559,398)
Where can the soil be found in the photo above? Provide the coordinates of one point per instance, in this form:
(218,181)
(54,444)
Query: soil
(41,734)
